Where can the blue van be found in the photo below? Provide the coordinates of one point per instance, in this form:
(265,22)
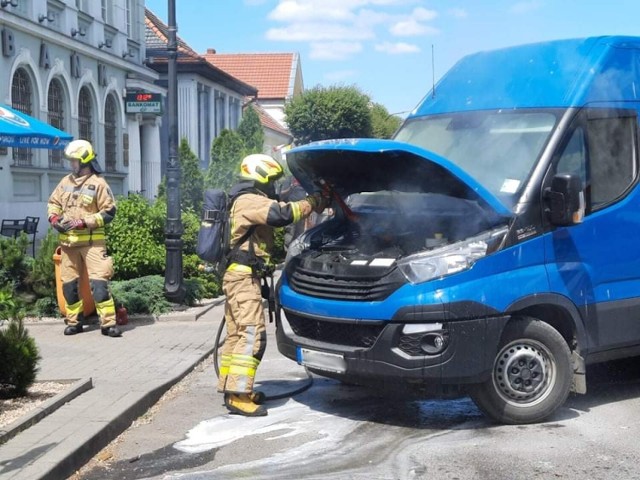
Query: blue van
(494,246)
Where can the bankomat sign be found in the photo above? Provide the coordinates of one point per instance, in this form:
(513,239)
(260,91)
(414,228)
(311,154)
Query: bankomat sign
(143,103)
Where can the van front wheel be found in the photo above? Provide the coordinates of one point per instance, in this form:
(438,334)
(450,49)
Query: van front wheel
(531,374)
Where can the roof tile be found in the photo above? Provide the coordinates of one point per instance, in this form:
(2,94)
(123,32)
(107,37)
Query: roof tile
(269,72)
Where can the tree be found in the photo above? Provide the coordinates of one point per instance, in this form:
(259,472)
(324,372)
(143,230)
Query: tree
(332,112)
(227,152)
(192,179)
(251,132)
(383,124)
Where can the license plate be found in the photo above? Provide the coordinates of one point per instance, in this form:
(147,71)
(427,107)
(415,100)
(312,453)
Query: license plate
(328,362)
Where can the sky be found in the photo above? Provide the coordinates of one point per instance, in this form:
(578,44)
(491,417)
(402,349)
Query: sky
(385,47)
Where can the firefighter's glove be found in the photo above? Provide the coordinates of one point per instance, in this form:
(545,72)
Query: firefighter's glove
(57,223)
(77,224)
(319,201)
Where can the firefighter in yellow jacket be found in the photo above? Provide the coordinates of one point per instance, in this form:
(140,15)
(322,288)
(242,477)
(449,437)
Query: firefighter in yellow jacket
(79,208)
(254,213)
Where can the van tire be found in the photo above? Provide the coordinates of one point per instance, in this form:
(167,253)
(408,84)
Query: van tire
(515,395)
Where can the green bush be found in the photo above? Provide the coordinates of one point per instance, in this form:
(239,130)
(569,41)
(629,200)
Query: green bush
(10,306)
(141,295)
(14,263)
(45,307)
(20,358)
(42,278)
(279,253)
(132,239)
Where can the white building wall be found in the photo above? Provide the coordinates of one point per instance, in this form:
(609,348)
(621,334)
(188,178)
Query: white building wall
(24,190)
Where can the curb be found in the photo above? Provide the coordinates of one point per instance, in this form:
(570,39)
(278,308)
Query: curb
(80,456)
(177,316)
(46,408)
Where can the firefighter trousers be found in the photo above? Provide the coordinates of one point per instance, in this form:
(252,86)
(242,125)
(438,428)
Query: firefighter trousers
(246,338)
(100,270)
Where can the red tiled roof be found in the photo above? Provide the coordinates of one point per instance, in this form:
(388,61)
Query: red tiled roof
(268,121)
(271,73)
(157,34)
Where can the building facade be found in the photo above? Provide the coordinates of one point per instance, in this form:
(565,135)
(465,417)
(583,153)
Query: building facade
(278,78)
(209,99)
(70,63)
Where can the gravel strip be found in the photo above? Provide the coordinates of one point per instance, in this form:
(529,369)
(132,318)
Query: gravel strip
(15,408)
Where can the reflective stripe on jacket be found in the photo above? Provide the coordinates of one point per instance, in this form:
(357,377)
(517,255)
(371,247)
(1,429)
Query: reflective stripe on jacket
(256,208)
(88,198)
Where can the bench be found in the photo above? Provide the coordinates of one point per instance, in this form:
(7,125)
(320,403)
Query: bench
(13,228)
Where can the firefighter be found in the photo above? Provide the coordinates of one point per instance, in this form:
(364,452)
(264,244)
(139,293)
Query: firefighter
(254,214)
(79,208)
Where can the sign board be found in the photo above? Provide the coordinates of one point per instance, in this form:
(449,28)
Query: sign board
(143,103)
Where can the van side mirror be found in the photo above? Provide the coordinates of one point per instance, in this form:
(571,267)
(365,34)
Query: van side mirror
(565,200)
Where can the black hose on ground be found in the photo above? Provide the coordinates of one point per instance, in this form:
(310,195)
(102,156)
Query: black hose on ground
(297,391)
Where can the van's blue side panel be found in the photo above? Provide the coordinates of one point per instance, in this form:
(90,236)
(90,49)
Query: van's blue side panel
(496,281)
(545,75)
(596,264)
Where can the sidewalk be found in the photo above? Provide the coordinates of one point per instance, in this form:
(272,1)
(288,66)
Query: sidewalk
(129,374)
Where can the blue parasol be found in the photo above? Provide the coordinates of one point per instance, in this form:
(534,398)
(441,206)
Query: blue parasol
(20,130)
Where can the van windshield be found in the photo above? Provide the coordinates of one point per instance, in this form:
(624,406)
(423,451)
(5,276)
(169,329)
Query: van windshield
(498,148)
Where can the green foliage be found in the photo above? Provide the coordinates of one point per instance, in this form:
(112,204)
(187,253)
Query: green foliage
(194,291)
(10,307)
(383,124)
(279,253)
(329,112)
(251,132)
(20,358)
(134,238)
(42,279)
(45,307)
(227,152)
(192,181)
(141,295)
(14,264)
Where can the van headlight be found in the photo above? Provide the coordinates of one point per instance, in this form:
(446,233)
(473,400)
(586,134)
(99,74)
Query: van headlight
(298,246)
(450,259)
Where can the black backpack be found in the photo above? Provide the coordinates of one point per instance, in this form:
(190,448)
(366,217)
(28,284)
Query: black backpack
(215,233)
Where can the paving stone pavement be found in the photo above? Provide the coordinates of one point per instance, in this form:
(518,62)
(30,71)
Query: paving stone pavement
(129,375)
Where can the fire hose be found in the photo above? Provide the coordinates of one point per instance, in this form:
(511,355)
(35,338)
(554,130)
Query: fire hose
(219,341)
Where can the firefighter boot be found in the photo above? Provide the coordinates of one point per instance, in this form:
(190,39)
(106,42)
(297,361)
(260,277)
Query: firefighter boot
(258,397)
(111,331)
(73,329)
(241,404)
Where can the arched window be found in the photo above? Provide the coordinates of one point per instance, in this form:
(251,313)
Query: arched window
(55,117)
(110,134)
(22,100)
(85,115)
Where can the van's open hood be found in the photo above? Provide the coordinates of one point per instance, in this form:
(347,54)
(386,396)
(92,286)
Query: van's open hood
(369,165)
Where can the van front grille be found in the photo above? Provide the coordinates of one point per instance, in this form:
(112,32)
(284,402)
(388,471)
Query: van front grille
(349,334)
(336,287)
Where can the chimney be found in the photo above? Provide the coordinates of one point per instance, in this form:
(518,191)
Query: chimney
(211,51)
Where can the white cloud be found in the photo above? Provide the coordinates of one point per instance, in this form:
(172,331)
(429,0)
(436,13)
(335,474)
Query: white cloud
(397,48)
(522,8)
(423,15)
(458,12)
(336,29)
(340,75)
(411,28)
(334,50)
(300,11)
(310,32)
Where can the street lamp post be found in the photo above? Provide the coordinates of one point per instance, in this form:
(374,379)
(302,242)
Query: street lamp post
(173,285)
